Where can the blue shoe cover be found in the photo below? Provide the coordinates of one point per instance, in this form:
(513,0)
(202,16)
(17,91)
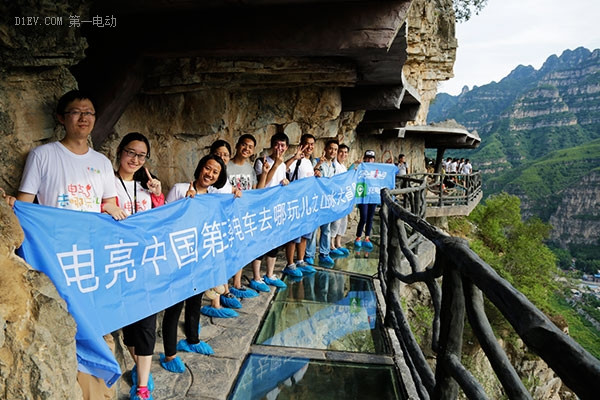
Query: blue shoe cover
(134,379)
(326,261)
(357,243)
(307,269)
(200,348)
(344,250)
(259,286)
(175,365)
(218,312)
(228,300)
(309,260)
(243,292)
(336,252)
(291,270)
(275,281)
(367,245)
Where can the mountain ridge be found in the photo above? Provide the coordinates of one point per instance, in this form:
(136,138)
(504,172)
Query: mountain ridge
(539,131)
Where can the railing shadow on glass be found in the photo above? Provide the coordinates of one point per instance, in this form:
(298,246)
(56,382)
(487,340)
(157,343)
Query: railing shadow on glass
(466,278)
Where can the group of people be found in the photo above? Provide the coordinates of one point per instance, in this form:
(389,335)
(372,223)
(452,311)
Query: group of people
(457,166)
(68,174)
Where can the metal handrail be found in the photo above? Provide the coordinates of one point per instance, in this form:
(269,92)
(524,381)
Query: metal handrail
(466,279)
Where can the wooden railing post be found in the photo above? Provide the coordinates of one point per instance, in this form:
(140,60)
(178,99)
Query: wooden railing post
(451,333)
(577,368)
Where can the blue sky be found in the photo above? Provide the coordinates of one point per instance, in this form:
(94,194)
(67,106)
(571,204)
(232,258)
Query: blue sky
(512,32)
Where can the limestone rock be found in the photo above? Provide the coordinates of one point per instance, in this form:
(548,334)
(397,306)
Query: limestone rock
(37,335)
(47,41)
(576,217)
(431,48)
(27,107)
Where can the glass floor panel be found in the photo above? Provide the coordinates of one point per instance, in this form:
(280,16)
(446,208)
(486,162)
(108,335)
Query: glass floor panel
(327,310)
(274,377)
(360,260)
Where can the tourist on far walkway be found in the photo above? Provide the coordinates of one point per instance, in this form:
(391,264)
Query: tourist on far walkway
(402,166)
(467,168)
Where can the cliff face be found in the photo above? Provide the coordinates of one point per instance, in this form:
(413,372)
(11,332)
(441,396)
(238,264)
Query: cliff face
(37,334)
(577,218)
(431,48)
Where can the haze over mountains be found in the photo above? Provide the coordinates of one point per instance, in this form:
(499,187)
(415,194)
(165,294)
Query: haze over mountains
(540,132)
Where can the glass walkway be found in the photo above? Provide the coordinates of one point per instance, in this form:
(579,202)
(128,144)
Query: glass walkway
(335,312)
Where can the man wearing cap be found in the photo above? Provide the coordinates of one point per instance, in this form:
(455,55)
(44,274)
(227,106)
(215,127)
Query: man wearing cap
(366,212)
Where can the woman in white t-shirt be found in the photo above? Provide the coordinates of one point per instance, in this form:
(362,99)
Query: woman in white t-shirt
(138,190)
(210,172)
(222,149)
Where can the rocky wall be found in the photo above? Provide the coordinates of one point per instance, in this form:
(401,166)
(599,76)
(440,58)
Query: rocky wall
(181,127)
(431,48)
(37,334)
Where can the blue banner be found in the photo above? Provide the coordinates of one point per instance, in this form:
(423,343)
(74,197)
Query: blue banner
(113,273)
(371,178)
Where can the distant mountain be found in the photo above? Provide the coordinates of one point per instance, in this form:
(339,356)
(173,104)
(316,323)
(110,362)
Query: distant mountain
(538,129)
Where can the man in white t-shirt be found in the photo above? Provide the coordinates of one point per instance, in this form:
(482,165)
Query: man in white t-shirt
(467,168)
(241,175)
(300,167)
(324,167)
(271,171)
(338,227)
(68,174)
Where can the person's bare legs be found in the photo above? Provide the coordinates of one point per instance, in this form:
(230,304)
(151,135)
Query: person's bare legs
(143,364)
(270,266)
(301,247)
(256,269)
(290,249)
(216,302)
(338,241)
(143,368)
(237,280)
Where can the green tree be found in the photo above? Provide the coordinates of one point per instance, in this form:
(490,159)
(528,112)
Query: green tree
(564,257)
(515,248)
(463,9)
